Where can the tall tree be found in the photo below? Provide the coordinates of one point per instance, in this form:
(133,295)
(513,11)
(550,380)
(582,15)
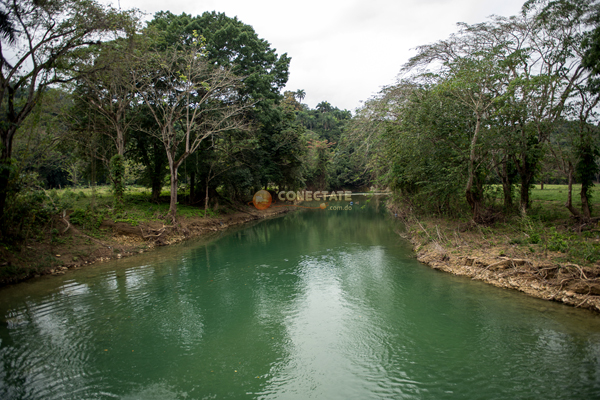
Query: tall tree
(190,100)
(232,44)
(49,39)
(571,26)
(469,74)
(300,95)
(108,91)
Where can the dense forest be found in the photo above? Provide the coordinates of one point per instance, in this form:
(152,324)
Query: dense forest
(194,103)
(494,108)
(92,96)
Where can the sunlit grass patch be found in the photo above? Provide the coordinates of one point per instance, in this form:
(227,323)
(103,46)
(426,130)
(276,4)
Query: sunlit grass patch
(91,205)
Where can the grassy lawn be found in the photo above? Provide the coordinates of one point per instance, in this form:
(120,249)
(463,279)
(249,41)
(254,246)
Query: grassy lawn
(91,205)
(559,193)
(549,204)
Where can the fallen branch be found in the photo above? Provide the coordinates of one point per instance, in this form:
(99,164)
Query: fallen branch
(161,231)
(507,261)
(584,300)
(439,235)
(579,268)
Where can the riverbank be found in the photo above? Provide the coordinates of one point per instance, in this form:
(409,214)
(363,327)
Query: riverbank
(67,246)
(531,263)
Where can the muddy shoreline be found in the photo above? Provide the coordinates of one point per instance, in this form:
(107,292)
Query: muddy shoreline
(75,248)
(540,277)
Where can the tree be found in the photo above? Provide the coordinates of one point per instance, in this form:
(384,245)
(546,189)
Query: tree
(475,81)
(321,160)
(232,44)
(49,39)
(150,152)
(567,23)
(39,146)
(190,100)
(522,73)
(591,46)
(469,74)
(300,94)
(108,91)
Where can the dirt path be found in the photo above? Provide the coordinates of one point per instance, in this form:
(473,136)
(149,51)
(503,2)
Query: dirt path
(67,246)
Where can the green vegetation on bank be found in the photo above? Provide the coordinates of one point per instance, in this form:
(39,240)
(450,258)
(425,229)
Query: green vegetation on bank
(476,121)
(192,103)
(496,107)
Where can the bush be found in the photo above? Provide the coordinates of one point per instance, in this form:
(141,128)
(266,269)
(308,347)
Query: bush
(558,242)
(86,218)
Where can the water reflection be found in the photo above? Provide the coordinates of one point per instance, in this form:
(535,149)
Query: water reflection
(316,304)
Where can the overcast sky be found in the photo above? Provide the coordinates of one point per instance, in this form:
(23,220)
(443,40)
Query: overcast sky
(343,51)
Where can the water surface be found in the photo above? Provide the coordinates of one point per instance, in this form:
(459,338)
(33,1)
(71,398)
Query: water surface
(314,305)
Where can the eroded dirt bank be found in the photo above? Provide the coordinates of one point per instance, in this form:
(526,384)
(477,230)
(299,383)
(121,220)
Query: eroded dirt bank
(67,246)
(541,275)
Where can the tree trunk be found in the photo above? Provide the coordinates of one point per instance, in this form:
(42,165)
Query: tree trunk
(524,193)
(156,189)
(4,178)
(507,190)
(157,176)
(5,167)
(173,203)
(569,203)
(585,205)
(206,200)
(120,141)
(526,162)
(586,169)
(527,173)
(473,199)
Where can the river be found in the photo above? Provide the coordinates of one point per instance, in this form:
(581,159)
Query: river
(317,304)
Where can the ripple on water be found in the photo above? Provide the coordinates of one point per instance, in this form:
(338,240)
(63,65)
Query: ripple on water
(302,311)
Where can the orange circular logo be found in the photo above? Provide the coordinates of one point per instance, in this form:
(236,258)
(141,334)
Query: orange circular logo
(262,200)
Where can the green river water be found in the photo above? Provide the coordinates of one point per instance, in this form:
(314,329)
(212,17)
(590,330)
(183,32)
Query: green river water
(317,304)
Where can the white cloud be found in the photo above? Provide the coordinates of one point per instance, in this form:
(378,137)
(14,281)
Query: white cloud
(342,51)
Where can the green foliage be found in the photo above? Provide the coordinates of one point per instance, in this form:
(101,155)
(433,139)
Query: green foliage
(130,221)
(326,121)
(55,238)
(28,208)
(558,242)
(38,147)
(57,34)
(318,164)
(535,238)
(480,115)
(87,218)
(429,170)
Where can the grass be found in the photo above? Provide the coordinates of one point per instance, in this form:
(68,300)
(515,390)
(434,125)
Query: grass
(546,231)
(559,193)
(90,206)
(549,226)
(549,204)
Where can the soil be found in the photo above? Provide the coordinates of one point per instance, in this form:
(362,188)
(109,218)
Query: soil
(541,275)
(75,248)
